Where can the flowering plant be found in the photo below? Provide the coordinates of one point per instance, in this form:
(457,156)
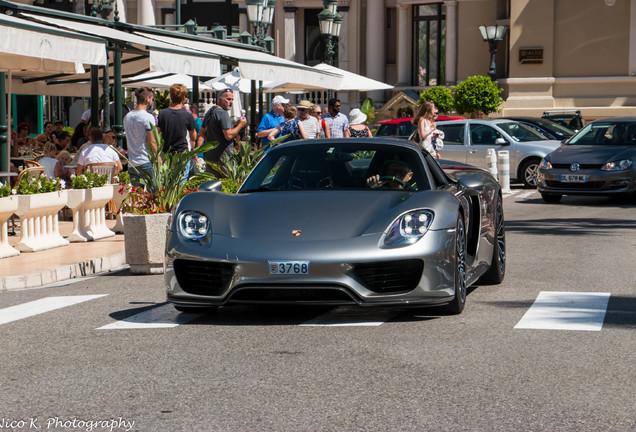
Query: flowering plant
(30,185)
(166,184)
(88,180)
(6,190)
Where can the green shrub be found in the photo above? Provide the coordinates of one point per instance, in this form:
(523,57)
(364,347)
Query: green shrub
(478,94)
(441,96)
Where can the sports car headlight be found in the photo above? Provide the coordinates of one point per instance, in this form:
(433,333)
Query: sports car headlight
(620,165)
(193,225)
(408,228)
(545,164)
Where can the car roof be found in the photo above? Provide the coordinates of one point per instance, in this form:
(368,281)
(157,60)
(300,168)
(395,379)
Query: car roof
(386,140)
(408,119)
(615,119)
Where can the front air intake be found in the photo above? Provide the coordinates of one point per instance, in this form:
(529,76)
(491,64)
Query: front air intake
(390,276)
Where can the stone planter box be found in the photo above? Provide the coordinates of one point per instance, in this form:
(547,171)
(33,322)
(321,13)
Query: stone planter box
(89,213)
(145,242)
(40,228)
(8,206)
(119,198)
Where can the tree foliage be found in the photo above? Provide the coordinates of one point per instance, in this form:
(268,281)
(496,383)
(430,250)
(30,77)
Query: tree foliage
(368,109)
(441,96)
(478,94)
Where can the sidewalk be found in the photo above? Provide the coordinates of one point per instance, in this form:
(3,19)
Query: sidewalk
(34,269)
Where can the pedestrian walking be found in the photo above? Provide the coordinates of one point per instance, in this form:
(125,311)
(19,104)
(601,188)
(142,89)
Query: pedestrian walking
(271,120)
(424,121)
(177,124)
(138,125)
(316,112)
(338,122)
(309,122)
(291,126)
(357,128)
(217,127)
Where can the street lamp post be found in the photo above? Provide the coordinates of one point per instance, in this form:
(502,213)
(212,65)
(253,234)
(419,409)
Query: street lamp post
(260,13)
(493,35)
(330,22)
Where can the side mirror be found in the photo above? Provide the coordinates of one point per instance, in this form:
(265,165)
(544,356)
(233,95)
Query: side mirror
(211,186)
(501,141)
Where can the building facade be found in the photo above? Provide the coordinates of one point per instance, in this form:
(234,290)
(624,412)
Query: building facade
(556,54)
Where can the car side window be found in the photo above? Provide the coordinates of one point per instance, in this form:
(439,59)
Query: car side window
(453,134)
(483,135)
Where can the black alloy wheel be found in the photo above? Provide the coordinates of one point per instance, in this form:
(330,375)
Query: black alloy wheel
(456,306)
(497,271)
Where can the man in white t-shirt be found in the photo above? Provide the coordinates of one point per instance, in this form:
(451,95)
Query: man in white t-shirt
(96,151)
(138,126)
(310,123)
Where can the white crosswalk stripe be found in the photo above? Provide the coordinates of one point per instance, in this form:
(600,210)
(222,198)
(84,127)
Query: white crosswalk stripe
(40,306)
(165,316)
(566,311)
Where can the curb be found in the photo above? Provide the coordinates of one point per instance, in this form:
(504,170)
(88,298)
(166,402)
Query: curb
(87,267)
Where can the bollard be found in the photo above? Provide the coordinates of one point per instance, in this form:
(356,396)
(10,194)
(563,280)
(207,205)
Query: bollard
(504,170)
(491,158)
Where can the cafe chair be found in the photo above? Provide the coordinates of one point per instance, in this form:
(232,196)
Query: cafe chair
(34,171)
(31,164)
(102,168)
(109,169)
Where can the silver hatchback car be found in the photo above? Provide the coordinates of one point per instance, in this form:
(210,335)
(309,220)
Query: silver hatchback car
(468,141)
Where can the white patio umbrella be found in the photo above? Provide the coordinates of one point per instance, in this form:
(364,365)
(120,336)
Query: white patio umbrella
(233,81)
(162,80)
(350,82)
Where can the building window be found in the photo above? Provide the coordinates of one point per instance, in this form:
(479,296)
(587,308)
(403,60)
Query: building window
(429,36)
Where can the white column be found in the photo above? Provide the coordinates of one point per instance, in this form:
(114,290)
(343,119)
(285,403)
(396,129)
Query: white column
(403,45)
(290,32)
(145,12)
(451,41)
(632,38)
(121,9)
(343,39)
(375,39)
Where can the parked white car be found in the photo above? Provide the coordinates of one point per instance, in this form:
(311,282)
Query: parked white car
(468,141)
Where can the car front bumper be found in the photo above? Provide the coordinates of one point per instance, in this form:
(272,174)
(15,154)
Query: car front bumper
(353,272)
(597,182)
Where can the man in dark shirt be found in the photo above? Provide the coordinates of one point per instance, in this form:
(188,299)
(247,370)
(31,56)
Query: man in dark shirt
(176,124)
(217,126)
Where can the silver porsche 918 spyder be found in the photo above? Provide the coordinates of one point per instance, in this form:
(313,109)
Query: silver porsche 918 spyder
(369,222)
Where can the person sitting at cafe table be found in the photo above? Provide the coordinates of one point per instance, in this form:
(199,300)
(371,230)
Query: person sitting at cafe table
(48,161)
(64,142)
(97,151)
(46,136)
(61,170)
(24,141)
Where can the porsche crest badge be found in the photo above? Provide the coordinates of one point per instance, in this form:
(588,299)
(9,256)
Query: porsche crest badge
(296,232)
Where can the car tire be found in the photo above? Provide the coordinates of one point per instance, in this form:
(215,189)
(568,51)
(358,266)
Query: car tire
(196,309)
(528,172)
(497,271)
(456,306)
(551,197)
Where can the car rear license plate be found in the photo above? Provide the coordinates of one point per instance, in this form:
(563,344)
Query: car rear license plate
(573,178)
(288,267)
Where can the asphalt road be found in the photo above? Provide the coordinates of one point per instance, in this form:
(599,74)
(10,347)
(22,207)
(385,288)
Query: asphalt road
(261,369)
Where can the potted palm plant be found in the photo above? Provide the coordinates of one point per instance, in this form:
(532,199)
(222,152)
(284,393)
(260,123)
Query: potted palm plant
(146,210)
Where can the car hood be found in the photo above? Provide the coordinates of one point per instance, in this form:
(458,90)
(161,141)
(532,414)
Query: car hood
(547,145)
(320,215)
(593,155)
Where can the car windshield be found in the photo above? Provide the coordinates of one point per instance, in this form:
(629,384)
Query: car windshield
(402,129)
(521,132)
(556,128)
(606,133)
(338,166)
